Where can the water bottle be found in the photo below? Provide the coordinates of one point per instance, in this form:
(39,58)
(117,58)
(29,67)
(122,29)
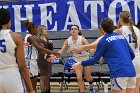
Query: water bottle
(105,87)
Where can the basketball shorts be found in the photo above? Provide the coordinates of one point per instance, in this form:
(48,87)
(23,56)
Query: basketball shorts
(33,67)
(122,83)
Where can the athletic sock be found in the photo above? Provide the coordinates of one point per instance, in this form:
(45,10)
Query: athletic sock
(91,86)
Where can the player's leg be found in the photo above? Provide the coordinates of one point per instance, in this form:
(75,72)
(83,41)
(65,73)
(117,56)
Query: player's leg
(43,83)
(80,82)
(48,75)
(137,68)
(34,72)
(131,85)
(87,73)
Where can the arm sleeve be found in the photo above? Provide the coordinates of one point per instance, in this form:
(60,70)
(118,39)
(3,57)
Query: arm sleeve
(98,53)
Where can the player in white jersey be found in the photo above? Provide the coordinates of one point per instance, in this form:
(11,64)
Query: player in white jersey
(132,34)
(12,62)
(30,50)
(73,41)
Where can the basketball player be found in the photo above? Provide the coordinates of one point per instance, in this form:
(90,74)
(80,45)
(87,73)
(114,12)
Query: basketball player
(31,52)
(77,40)
(12,61)
(132,34)
(116,51)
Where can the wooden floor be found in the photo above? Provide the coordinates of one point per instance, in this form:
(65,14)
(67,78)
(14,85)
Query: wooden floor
(72,88)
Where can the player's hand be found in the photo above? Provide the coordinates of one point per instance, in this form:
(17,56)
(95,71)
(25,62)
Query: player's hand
(72,49)
(51,58)
(92,51)
(50,41)
(41,44)
(56,53)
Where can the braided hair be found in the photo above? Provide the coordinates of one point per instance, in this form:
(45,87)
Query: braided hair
(126,16)
(4,17)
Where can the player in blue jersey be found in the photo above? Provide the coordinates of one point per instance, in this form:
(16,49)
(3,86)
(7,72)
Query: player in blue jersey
(118,55)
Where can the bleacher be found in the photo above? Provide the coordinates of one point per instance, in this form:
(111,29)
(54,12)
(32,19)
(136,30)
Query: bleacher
(100,71)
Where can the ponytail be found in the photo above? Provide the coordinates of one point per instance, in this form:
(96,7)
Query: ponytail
(80,33)
(133,32)
(126,16)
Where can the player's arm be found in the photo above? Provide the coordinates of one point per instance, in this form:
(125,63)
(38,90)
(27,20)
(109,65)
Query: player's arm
(39,47)
(131,52)
(86,43)
(89,46)
(98,53)
(21,60)
(65,44)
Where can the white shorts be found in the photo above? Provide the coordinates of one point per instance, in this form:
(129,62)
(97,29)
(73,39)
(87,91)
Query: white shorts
(136,62)
(80,59)
(10,81)
(122,83)
(33,67)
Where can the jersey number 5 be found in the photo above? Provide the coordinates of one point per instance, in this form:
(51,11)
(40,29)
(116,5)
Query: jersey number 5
(131,40)
(2,46)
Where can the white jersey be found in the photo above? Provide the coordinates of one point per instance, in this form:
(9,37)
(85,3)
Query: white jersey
(126,32)
(29,49)
(82,55)
(7,50)
(128,35)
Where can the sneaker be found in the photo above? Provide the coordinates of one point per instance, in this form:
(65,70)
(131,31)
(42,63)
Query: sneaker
(91,90)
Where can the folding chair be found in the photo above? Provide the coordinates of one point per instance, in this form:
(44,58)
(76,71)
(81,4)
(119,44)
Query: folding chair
(58,71)
(102,73)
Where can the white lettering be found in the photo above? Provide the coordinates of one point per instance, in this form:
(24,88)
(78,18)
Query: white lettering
(137,5)
(94,12)
(72,14)
(17,14)
(112,38)
(45,17)
(112,9)
(4,7)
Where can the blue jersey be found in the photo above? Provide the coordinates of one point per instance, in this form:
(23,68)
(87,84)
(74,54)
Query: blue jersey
(117,53)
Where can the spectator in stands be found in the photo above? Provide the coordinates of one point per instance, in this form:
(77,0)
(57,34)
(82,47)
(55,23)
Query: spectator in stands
(30,50)
(45,67)
(12,61)
(76,39)
(132,34)
(118,54)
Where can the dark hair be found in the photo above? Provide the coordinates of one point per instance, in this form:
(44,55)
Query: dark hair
(29,25)
(107,25)
(80,33)
(126,16)
(4,17)
(138,24)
